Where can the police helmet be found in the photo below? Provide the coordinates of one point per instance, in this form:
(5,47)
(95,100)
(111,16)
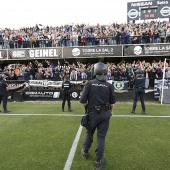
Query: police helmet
(100,69)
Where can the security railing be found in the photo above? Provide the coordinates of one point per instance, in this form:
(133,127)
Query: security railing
(87,41)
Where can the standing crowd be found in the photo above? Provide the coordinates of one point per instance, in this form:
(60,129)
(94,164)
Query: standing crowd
(85,35)
(120,71)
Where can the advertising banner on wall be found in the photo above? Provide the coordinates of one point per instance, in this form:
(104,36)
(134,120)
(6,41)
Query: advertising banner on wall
(45,53)
(157,49)
(3,54)
(146,50)
(133,50)
(49,94)
(45,83)
(92,51)
(38,53)
(18,54)
(158,87)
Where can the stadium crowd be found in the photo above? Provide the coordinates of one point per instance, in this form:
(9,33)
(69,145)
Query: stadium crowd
(86,35)
(121,71)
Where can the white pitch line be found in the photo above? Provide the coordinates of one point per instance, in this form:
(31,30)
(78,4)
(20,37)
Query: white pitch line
(73,150)
(75,115)
(8,114)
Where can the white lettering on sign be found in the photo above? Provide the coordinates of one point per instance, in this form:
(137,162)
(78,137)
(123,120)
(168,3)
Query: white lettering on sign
(18,54)
(141,4)
(43,53)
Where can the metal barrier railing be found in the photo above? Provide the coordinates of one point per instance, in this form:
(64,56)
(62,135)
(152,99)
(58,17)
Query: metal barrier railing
(141,39)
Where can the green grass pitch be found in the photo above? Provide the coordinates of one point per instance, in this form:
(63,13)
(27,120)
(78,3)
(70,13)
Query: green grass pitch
(38,136)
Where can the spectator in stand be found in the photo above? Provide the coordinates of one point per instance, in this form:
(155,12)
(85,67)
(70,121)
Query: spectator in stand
(123,74)
(109,75)
(123,35)
(168,35)
(17,70)
(71,41)
(73,75)
(151,74)
(110,38)
(162,35)
(57,75)
(47,74)
(79,39)
(102,40)
(39,74)
(31,71)
(83,40)
(156,36)
(6,41)
(159,71)
(20,41)
(116,74)
(117,37)
(151,38)
(127,35)
(32,39)
(135,40)
(131,33)
(79,78)
(83,74)
(130,74)
(145,37)
(20,75)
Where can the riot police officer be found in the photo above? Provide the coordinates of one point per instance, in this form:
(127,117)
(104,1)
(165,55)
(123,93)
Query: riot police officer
(4,88)
(139,86)
(98,97)
(66,87)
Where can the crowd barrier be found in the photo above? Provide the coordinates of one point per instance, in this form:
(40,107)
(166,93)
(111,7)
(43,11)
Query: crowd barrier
(52,90)
(111,40)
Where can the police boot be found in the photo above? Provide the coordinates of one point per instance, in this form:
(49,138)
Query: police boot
(143,112)
(62,107)
(133,111)
(100,163)
(84,154)
(69,108)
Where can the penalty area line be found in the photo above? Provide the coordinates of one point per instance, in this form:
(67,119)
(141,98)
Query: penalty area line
(73,150)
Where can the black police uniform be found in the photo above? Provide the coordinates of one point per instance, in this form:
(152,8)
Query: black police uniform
(139,86)
(99,95)
(4,94)
(66,87)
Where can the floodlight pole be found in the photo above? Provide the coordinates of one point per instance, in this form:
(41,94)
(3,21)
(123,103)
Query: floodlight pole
(163,81)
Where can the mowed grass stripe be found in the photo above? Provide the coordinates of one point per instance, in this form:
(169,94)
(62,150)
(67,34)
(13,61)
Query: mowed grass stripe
(120,108)
(132,144)
(36,142)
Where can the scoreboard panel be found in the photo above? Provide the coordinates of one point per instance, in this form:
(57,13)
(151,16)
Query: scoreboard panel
(149,13)
(148,9)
